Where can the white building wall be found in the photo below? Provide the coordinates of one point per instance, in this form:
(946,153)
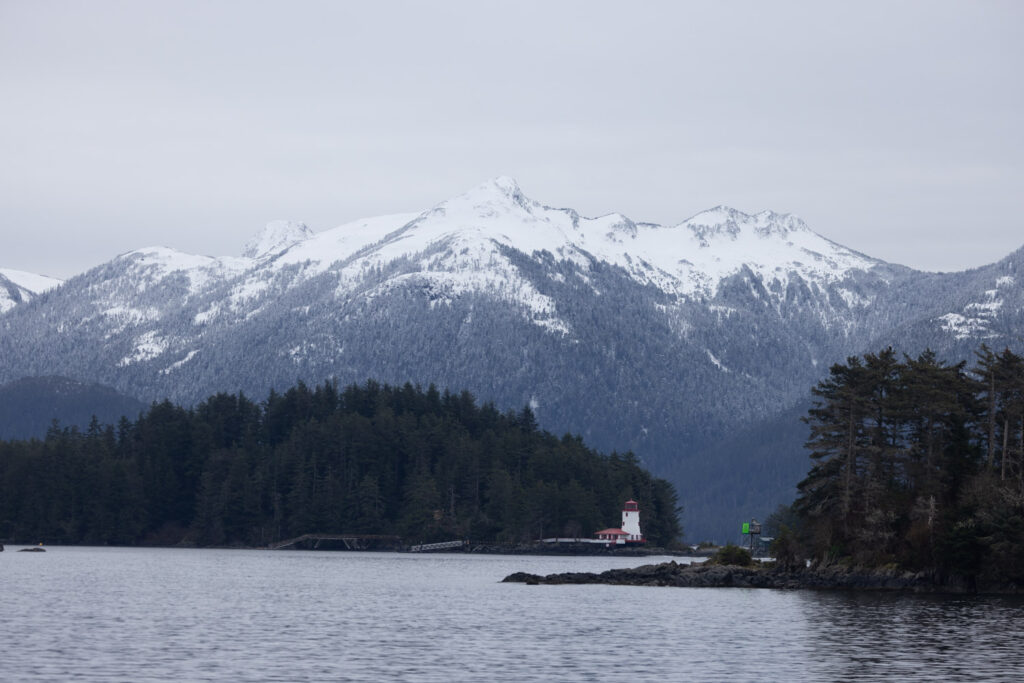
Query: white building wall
(631,524)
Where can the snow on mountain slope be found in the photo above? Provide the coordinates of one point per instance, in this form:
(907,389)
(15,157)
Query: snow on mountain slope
(34,283)
(152,265)
(457,246)
(691,258)
(976,318)
(463,245)
(144,286)
(994,300)
(275,237)
(772,245)
(321,250)
(17,286)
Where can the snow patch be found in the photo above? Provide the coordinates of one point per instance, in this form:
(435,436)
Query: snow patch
(717,363)
(174,366)
(131,316)
(275,238)
(203,317)
(245,292)
(147,347)
(990,307)
(151,265)
(965,327)
(853,299)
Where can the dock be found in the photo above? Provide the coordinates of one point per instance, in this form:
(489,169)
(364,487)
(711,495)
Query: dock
(351,541)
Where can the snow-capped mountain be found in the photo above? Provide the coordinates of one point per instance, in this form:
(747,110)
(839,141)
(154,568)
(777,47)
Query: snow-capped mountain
(457,245)
(17,287)
(656,338)
(275,238)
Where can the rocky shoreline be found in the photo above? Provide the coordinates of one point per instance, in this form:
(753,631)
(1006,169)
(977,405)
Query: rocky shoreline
(722,576)
(575,549)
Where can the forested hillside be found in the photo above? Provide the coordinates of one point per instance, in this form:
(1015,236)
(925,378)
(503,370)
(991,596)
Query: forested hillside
(370,459)
(29,406)
(919,463)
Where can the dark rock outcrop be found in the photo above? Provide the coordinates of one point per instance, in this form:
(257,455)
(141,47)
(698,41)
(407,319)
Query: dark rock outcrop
(719,576)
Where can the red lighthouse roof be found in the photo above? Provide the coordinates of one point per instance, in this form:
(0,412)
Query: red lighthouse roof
(630,506)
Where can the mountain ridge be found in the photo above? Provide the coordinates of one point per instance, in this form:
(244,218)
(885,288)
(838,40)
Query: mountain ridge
(18,286)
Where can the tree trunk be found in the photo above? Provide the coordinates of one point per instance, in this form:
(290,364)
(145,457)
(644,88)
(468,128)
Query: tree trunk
(991,417)
(928,460)
(1006,443)
(1020,456)
(850,465)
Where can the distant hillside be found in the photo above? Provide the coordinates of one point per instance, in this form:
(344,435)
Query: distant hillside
(749,472)
(29,406)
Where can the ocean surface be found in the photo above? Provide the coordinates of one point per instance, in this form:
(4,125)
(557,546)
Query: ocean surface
(127,614)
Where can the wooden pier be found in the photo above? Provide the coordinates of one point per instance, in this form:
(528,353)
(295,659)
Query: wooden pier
(429,547)
(351,541)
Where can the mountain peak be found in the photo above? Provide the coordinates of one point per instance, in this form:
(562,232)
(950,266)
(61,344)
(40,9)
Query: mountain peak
(496,191)
(725,219)
(770,222)
(717,215)
(503,184)
(276,237)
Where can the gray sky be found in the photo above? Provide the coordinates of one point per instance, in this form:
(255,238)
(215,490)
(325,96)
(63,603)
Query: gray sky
(896,129)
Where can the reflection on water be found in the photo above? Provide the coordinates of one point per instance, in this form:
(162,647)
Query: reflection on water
(158,614)
(871,636)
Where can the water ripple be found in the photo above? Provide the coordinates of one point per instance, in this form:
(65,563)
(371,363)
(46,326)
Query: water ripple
(93,614)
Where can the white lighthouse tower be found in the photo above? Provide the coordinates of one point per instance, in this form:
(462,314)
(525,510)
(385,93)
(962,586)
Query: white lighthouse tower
(631,521)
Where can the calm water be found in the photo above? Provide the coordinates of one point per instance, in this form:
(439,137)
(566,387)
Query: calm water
(158,614)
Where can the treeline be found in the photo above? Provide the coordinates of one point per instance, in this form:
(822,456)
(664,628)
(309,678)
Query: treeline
(370,459)
(918,463)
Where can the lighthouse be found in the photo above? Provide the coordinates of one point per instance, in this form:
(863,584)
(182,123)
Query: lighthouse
(631,521)
(629,532)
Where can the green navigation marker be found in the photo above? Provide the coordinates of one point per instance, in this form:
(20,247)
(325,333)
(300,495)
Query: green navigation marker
(746,527)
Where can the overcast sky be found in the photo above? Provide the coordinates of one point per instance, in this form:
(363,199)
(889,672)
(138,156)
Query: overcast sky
(895,128)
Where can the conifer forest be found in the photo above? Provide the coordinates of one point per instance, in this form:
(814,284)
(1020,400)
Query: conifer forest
(917,463)
(369,459)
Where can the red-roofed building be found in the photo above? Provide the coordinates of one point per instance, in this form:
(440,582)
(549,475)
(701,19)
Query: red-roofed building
(611,534)
(630,531)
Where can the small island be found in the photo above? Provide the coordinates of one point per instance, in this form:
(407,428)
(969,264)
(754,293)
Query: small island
(733,567)
(709,575)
